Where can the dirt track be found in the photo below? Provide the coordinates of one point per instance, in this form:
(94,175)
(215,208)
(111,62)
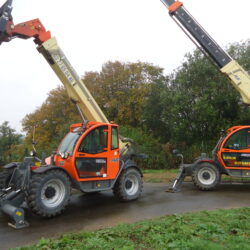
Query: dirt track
(102,210)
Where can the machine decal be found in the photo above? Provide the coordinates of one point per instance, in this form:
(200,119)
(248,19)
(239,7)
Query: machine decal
(245,155)
(236,159)
(61,163)
(114,159)
(100,161)
(64,68)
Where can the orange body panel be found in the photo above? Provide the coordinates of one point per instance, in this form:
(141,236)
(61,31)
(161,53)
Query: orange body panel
(111,156)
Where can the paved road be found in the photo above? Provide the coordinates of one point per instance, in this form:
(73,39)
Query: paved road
(102,210)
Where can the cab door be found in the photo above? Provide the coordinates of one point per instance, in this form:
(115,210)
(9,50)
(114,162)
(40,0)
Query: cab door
(235,153)
(96,158)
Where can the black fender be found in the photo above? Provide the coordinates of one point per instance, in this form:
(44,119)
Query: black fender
(132,164)
(12,165)
(211,161)
(44,169)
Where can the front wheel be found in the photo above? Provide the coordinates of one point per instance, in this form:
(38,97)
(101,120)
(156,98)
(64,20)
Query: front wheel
(129,185)
(49,193)
(206,176)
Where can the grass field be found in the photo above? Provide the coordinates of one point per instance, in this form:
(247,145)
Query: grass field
(208,230)
(160,175)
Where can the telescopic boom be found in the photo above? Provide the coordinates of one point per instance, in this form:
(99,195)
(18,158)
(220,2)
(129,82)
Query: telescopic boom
(238,76)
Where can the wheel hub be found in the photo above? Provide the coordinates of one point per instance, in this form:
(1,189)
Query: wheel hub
(131,184)
(50,192)
(128,184)
(53,193)
(206,176)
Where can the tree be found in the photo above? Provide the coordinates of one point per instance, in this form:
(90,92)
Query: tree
(51,121)
(121,89)
(153,111)
(194,103)
(8,139)
(200,101)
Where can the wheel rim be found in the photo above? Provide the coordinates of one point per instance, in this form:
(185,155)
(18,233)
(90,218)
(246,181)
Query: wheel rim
(206,176)
(53,193)
(131,184)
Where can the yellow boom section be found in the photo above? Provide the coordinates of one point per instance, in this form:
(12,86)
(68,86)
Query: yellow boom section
(239,78)
(75,87)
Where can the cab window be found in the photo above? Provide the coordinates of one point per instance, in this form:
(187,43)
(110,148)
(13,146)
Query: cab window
(69,142)
(114,138)
(239,140)
(95,142)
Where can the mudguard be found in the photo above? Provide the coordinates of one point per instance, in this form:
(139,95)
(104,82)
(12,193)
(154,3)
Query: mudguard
(12,165)
(204,160)
(131,163)
(46,168)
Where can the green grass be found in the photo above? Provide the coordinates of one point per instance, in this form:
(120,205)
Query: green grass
(220,229)
(154,171)
(159,175)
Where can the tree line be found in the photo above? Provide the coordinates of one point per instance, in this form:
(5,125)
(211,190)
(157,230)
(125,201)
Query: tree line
(186,109)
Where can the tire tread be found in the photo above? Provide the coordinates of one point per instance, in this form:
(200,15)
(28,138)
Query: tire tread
(201,186)
(33,200)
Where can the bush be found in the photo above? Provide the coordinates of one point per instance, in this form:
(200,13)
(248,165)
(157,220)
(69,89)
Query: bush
(157,157)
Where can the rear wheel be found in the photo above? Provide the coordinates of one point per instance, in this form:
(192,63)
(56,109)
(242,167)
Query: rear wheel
(5,176)
(206,176)
(129,185)
(49,193)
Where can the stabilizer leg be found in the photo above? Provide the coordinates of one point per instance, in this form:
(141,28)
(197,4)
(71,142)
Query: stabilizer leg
(178,181)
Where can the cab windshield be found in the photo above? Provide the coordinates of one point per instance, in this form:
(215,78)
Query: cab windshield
(68,143)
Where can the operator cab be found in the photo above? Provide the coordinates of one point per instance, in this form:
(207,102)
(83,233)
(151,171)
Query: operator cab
(234,153)
(93,150)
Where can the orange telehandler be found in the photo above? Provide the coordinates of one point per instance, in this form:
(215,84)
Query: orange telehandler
(91,158)
(231,156)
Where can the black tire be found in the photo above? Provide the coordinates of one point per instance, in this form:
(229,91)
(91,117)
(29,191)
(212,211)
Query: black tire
(49,193)
(5,176)
(206,176)
(129,185)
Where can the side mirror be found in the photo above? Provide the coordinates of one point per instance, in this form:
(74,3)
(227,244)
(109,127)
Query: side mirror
(64,155)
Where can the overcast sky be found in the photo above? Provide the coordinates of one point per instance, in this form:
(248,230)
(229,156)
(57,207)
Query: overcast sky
(91,32)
